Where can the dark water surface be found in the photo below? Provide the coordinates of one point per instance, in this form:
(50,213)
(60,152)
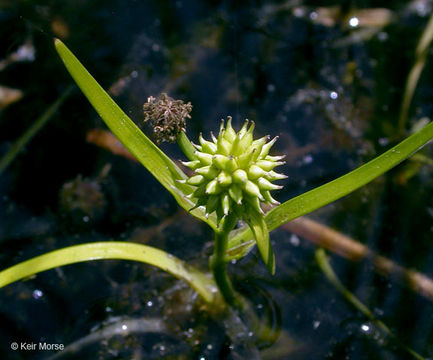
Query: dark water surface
(326,76)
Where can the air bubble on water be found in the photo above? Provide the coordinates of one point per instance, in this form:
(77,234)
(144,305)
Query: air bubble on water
(124,327)
(333,95)
(86,218)
(250,334)
(209,347)
(37,294)
(383,141)
(149,303)
(271,88)
(307,159)
(353,21)
(316,324)
(313,15)
(134,74)
(294,240)
(108,309)
(233,261)
(259,306)
(366,328)
(299,11)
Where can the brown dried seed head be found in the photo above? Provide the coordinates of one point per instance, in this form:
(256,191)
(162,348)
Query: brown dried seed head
(167,116)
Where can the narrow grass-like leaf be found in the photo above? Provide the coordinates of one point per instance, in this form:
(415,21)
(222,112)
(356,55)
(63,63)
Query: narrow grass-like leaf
(327,270)
(421,54)
(336,189)
(257,225)
(112,250)
(146,152)
(28,135)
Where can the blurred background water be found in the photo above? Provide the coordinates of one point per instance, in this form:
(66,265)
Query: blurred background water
(328,77)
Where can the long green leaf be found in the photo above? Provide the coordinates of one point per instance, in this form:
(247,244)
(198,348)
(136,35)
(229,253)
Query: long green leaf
(112,250)
(146,152)
(336,189)
(257,225)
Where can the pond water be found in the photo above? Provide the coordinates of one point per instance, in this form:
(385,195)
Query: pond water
(327,77)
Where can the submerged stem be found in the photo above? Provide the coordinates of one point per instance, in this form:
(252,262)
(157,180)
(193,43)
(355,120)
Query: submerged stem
(25,138)
(327,270)
(415,73)
(218,263)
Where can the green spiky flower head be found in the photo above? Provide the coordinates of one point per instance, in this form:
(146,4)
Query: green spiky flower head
(234,172)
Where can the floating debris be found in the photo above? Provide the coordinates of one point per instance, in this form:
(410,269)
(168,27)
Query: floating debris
(9,96)
(25,53)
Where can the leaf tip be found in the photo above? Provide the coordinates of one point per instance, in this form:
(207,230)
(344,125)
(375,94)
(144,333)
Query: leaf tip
(57,42)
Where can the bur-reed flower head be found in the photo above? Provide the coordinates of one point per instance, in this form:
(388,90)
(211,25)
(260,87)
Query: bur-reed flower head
(233,172)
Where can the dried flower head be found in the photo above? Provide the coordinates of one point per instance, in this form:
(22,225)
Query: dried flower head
(233,172)
(167,115)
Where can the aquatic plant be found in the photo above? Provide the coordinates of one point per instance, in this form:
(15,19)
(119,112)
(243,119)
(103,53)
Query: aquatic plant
(233,174)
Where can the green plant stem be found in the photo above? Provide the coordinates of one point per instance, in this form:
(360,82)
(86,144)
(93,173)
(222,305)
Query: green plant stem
(114,250)
(421,158)
(25,138)
(327,270)
(218,262)
(421,53)
(186,146)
